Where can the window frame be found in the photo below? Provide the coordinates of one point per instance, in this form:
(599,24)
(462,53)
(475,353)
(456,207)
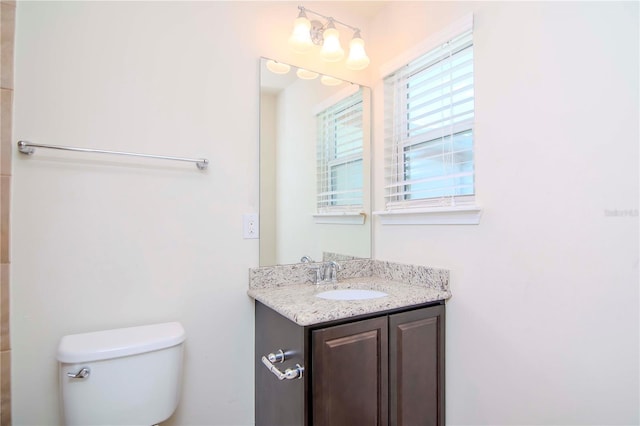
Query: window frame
(460,209)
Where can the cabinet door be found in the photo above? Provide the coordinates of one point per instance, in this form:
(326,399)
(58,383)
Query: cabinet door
(416,367)
(350,374)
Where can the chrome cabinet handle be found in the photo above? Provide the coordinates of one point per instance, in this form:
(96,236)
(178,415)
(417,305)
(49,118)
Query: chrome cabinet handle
(289,374)
(82,374)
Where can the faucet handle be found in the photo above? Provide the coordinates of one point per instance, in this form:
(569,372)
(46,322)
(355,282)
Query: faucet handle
(318,269)
(334,267)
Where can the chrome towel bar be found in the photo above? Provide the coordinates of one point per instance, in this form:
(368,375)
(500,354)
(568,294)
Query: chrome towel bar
(26,147)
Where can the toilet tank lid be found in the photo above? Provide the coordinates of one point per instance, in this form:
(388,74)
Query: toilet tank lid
(119,342)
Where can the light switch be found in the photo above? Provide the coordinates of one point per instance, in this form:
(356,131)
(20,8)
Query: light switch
(251,225)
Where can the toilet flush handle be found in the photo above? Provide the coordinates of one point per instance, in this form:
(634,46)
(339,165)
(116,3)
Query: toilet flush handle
(82,374)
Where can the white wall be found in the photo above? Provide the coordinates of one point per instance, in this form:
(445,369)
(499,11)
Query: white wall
(543,324)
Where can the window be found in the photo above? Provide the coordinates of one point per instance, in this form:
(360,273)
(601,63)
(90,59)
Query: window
(429,137)
(339,160)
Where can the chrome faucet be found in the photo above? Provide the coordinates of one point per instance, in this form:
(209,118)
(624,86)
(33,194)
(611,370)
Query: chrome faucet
(333,267)
(306,259)
(325,272)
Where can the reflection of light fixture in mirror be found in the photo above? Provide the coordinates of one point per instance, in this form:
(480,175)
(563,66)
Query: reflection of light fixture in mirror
(306,74)
(330,81)
(358,59)
(305,34)
(278,67)
(300,39)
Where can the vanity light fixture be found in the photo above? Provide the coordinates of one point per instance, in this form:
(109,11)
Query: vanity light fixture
(308,33)
(358,59)
(331,50)
(300,39)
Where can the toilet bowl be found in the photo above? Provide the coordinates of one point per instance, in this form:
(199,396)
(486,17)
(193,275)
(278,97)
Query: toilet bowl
(127,376)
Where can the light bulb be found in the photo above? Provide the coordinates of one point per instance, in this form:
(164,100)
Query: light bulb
(306,74)
(300,39)
(331,50)
(358,59)
(278,67)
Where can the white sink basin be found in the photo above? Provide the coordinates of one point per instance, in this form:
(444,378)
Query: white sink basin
(351,294)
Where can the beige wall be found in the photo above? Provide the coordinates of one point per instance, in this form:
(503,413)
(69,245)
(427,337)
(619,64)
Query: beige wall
(101,242)
(268,138)
(543,324)
(295,176)
(7,27)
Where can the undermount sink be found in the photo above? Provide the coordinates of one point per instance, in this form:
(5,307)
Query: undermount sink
(351,294)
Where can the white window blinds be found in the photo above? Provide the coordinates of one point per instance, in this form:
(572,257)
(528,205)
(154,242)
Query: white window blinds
(339,156)
(429,113)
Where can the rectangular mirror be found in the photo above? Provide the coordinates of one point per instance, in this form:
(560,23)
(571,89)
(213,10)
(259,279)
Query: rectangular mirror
(315,169)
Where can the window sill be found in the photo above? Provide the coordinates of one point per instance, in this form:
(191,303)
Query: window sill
(431,216)
(340,218)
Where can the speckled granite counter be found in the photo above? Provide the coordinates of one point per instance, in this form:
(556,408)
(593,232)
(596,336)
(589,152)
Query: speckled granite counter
(288,289)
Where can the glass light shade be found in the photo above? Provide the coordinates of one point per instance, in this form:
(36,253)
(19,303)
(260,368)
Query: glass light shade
(300,39)
(278,67)
(358,59)
(331,50)
(330,81)
(306,74)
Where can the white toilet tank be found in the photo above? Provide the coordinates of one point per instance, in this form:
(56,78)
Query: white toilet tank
(132,376)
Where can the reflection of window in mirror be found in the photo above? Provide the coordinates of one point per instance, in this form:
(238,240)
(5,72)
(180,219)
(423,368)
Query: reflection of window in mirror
(339,156)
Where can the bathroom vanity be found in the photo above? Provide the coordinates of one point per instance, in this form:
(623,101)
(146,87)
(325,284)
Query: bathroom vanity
(378,361)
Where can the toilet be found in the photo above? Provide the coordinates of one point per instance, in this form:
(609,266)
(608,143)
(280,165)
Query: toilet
(126,376)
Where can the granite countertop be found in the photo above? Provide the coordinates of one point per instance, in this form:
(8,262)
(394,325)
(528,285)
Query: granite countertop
(299,304)
(405,286)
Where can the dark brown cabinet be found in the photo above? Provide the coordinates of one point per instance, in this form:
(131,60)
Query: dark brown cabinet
(416,367)
(350,373)
(386,369)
